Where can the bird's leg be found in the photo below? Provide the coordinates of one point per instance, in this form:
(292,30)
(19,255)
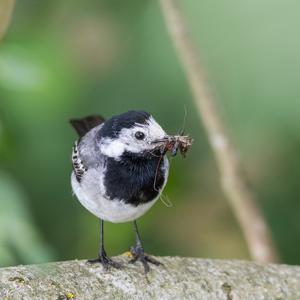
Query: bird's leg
(102,256)
(138,253)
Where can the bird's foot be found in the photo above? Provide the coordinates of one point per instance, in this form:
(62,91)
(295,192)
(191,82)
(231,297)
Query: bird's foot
(139,255)
(105,261)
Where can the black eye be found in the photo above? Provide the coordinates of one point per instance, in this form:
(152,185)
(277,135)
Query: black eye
(139,135)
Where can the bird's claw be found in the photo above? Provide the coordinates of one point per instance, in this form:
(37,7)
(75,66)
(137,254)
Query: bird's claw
(139,255)
(105,261)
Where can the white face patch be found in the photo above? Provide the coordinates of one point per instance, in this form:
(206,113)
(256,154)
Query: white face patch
(126,141)
(112,147)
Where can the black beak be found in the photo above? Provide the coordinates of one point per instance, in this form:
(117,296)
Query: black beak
(160,141)
(161,144)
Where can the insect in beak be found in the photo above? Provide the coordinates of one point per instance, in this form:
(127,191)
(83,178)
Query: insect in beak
(173,143)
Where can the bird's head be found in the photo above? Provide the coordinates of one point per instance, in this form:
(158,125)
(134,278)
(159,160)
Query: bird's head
(133,132)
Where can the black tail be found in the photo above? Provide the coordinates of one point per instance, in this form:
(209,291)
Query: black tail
(84,125)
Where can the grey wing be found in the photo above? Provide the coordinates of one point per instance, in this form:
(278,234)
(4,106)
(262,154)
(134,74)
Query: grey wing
(86,153)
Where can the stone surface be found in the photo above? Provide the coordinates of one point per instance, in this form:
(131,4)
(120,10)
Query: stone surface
(178,278)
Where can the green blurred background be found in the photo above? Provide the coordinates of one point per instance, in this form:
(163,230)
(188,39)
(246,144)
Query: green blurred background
(64,59)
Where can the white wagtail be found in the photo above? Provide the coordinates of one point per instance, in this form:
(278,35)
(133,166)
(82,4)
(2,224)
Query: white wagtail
(120,169)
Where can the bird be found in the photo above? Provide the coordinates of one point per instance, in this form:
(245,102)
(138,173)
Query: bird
(120,169)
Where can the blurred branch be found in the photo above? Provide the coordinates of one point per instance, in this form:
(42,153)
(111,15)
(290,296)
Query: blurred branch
(234,185)
(6,9)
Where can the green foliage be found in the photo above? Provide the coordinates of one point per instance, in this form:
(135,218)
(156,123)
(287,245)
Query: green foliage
(68,59)
(20,240)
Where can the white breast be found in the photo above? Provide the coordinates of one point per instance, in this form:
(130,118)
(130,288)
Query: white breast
(90,193)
